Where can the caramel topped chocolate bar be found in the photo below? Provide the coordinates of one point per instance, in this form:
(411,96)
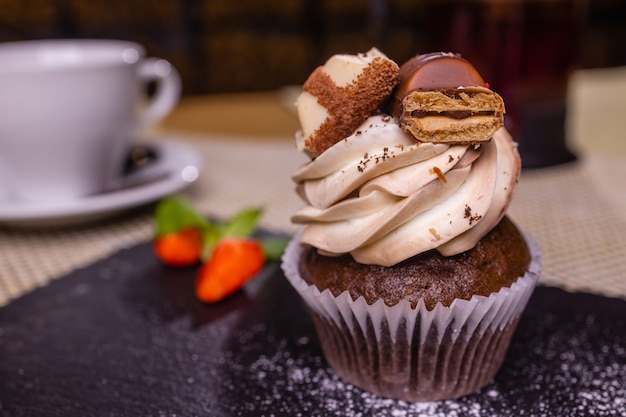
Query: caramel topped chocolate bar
(441,98)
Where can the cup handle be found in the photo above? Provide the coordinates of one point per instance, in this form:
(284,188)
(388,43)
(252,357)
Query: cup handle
(167,94)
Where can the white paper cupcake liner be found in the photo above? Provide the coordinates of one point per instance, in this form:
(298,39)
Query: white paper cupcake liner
(389,350)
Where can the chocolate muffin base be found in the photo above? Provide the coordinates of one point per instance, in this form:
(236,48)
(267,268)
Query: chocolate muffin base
(496,261)
(413,352)
(415,370)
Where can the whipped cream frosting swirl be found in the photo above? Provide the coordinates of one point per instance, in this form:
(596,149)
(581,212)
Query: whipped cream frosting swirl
(382,197)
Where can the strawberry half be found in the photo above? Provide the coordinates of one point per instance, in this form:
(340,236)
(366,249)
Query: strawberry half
(181,248)
(233,262)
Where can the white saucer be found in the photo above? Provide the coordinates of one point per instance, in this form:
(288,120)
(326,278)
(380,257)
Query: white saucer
(176,167)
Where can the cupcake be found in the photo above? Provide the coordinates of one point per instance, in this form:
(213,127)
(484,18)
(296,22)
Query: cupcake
(414,276)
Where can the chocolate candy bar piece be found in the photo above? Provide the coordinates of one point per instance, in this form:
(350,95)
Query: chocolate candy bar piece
(441,98)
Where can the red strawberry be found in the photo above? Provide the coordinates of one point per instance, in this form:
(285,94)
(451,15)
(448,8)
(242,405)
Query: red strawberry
(183,237)
(232,263)
(181,248)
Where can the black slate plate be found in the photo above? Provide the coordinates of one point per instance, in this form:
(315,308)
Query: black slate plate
(125,337)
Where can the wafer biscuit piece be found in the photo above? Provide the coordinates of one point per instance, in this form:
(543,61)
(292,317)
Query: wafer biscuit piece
(340,95)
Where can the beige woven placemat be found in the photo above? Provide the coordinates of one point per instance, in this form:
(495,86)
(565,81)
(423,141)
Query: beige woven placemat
(576,212)
(578,215)
(237,173)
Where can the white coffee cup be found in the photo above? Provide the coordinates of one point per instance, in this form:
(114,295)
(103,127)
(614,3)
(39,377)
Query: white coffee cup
(70,110)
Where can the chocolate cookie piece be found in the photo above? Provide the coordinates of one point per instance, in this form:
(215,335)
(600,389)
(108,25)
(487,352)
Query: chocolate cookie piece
(441,98)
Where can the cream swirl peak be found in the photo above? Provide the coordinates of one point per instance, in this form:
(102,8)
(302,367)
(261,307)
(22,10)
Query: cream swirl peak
(383,196)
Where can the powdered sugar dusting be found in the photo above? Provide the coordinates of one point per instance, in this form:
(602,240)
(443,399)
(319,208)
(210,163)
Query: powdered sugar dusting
(305,386)
(557,366)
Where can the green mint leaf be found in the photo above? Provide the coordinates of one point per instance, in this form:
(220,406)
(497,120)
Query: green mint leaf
(243,224)
(176,213)
(273,247)
(210,237)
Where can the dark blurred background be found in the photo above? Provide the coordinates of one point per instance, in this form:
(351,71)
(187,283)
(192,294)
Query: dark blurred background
(243,45)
